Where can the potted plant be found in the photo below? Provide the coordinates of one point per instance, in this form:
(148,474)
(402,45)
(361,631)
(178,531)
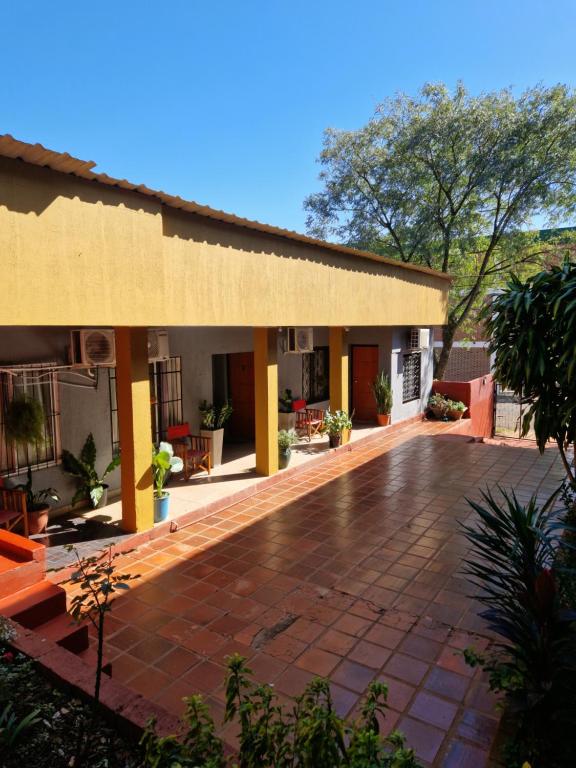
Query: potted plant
(212,423)
(24,426)
(382,391)
(37,504)
(286,439)
(163,462)
(438,406)
(83,469)
(286,414)
(335,422)
(456,409)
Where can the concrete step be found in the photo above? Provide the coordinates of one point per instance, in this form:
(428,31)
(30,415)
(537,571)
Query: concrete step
(65,632)
(35,605)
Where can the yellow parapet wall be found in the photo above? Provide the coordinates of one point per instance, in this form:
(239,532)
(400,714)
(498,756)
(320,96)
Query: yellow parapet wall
(77,252)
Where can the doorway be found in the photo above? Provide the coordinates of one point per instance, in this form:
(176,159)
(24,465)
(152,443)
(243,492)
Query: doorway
(364,371)
(240,428)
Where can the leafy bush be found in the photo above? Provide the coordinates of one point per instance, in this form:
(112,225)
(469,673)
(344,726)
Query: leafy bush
(286,439)
(517,556)
(83,469)
(310,736)
(335,422)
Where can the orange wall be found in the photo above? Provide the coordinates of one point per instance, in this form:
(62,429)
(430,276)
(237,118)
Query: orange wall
(478,395)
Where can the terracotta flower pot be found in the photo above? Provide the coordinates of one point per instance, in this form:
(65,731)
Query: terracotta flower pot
(455,415)
(437,411)
(38,519)
(383,419)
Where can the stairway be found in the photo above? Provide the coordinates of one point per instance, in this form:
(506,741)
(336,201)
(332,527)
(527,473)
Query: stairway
(34,602)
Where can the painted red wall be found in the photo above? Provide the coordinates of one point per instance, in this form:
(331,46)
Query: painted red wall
(478,395)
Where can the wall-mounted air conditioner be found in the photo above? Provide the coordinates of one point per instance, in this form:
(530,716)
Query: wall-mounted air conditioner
(299,340)
(158,346)
(419,338)
(92,347)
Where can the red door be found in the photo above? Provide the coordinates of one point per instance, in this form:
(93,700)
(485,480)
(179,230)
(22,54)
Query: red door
(364,371)
(241,394)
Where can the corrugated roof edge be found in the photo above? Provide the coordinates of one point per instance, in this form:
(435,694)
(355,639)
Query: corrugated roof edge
(62,162)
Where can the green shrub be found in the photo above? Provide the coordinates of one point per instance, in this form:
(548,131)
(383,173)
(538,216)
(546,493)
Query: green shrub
(310,736)
(515,561)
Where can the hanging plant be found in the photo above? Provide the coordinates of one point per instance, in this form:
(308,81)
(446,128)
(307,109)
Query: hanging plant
(24,421)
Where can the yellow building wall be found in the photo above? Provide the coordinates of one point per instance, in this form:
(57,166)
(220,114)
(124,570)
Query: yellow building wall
(74,252)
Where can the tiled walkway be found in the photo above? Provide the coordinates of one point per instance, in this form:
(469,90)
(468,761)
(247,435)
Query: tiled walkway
(350,570)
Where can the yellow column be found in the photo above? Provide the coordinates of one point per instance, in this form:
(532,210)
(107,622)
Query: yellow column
(135,427)
(339,398)
(266,396)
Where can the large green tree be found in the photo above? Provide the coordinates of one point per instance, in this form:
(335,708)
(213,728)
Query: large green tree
(452,181)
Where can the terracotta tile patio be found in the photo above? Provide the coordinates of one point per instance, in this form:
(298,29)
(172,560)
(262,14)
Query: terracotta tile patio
(350,570)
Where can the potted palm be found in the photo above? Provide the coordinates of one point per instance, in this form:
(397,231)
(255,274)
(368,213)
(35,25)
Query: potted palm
(286,439)
(163,462)
(382,391)
(213,419)
(335,422)
(91,485)
(24,426)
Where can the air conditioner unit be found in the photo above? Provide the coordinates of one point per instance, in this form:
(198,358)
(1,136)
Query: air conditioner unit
(419,338)
(299,340)
(92,347)
(158,346)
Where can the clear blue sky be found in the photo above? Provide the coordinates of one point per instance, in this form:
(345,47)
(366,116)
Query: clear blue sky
(225,102)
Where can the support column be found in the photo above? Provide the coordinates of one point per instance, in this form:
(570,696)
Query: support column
(339,396)
(266,396)
(135,427)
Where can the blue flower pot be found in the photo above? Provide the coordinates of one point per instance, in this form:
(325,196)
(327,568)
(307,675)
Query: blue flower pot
(161,508)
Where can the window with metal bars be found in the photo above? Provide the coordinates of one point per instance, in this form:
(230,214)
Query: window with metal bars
(411,377)
(315,375)
(38,381)
(165,399)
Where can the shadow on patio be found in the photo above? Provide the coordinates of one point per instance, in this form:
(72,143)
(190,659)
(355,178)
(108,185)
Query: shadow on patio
(349,570)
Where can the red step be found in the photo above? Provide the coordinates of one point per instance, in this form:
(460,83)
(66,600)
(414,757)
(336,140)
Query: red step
(90,657)
(16,575)
(11,544)
(35,605)
(65,632)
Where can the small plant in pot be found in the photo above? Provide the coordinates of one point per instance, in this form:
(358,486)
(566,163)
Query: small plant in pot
(438,406)
(456,409)
(163,462)
(91,485)
(382,391)
(213,419)
(286,415)
(335,422)
(286,439)
(37,504)
(24,426)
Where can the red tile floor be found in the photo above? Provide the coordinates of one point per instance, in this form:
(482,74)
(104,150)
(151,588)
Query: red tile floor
(351,570)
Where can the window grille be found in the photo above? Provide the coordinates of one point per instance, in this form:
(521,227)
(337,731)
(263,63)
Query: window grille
(316,375)
(165,399)
(39,381)
(411,377)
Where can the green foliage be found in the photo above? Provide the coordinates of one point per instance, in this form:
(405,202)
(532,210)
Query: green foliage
(452,181)
(24,421)
(285,401)
(214,417)
(83,469)
(515,563)
(311,735)
(532,325)
(98,582)
(13,728)
(286,439)
(335,422)
(382,391)
(36,500)
(164,461)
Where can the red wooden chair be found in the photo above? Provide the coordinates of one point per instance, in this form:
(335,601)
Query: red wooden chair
(310,422)
(13,509)
(194,450)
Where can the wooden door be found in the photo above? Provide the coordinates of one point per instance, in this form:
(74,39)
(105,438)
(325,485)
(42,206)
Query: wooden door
(364,371)
(241,395)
